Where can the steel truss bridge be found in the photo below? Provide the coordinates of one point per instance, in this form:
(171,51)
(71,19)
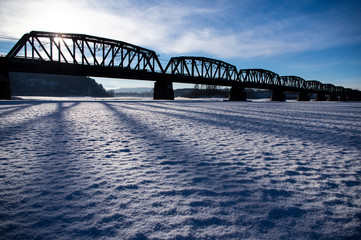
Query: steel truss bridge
(84,55)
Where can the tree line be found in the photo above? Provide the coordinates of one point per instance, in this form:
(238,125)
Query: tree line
(30,84)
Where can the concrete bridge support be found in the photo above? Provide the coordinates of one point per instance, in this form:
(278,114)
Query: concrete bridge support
(163,90)
(4,85)
(237,93)
(278,95)
(303,96)
(321,97)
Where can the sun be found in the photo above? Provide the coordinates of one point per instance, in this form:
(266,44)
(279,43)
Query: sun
(56,16)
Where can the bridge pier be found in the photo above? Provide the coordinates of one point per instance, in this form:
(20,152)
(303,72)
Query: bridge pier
(163,90)
(237,93)
(278,95)
(321,97)
(4,85)
(303,96)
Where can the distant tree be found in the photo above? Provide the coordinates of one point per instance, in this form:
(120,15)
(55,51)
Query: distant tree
(201,90)
(111,93)
(26,84)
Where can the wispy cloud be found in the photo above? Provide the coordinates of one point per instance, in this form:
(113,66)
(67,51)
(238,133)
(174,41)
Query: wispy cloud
(185,27)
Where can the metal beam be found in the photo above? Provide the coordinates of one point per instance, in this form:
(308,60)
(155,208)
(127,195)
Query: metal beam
(66,53)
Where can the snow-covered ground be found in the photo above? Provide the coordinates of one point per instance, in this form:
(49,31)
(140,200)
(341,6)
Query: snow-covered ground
(180,170)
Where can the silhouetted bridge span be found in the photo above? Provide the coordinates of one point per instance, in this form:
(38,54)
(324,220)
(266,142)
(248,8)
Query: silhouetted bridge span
(84,55)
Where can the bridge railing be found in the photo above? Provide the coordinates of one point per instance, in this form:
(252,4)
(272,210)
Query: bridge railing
(84,50)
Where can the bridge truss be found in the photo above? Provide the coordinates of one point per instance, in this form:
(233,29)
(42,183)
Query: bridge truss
(202,70)
(79,54)
(293,82)
(83,50)
(259,77)
(314,86)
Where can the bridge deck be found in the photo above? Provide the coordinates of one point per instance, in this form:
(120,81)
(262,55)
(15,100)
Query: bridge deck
(84,55)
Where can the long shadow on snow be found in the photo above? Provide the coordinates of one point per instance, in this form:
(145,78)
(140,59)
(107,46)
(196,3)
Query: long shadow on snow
(15,107)
(32,122)
(215,185)
(275,127)
(161,140)
(182,158)
(311,115)
(234,123)
(65,173)
(53,184)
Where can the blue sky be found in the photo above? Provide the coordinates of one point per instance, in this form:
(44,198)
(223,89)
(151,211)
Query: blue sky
(312,39)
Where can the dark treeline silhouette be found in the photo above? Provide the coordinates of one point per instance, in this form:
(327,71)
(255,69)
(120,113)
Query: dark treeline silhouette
(198,91)
(30,84)
(210,91)
(131,94)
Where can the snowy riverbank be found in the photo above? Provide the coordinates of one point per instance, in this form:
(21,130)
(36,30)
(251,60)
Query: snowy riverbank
(180,170)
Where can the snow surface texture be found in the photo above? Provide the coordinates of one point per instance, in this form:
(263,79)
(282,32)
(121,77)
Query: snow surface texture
(180,170)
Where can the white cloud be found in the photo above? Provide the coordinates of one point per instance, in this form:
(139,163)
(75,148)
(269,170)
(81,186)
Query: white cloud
(172,27)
